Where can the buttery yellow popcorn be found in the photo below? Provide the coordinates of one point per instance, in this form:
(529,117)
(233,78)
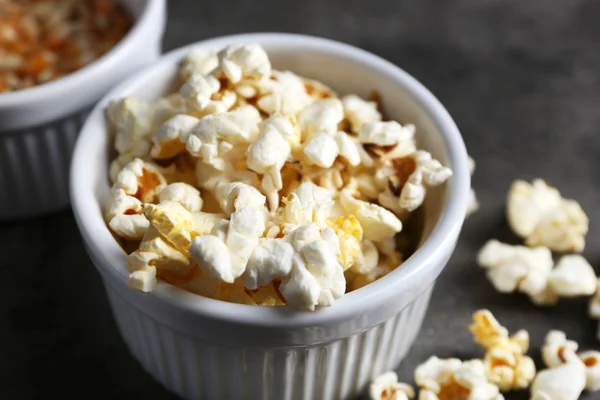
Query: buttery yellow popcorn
(505,362)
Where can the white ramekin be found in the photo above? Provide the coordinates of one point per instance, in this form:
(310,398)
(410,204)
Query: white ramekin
(38,126)
(207,349)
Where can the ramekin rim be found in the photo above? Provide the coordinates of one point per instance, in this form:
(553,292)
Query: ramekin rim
(420,264)
(35,95)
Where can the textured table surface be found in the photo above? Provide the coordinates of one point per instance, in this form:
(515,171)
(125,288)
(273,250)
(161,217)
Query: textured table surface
(521,80)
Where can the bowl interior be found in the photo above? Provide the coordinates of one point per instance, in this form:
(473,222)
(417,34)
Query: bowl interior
(347,70)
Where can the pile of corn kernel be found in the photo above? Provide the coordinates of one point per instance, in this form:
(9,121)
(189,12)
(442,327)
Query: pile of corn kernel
(537,213)
(41,40)
(261,187)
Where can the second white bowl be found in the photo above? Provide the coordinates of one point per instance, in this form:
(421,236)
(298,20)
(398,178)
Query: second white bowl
(38,126)
(207,349)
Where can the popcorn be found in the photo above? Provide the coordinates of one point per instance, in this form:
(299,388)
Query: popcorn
(359,112)
(316,278)
(138,182)
(388,133)
(505,362)
(270,259)
(427,172)
(198,90)
(133,121)
(322,116)
(169,140)
(198,61)
(591,361)
(225,255)
(511,268)
(555,346)
(321,149)
(182,193)
(288,97)
(557,350)
(349,233)
(289,191)
(216,134)
(244,61)
(348,148)
(175,223)
(270,151)
(154,253)
(308,203)
(539,214)
(573,276)
(473,203)
(387,387)
(565,382)
(444,379)
(378,223)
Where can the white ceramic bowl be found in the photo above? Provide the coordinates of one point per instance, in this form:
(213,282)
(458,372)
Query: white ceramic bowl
(201,348)
(38,126)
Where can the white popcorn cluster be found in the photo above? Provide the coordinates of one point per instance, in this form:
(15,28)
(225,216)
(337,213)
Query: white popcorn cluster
(530,271)
(259,186)
(538,213)
(387,387)
(569,372)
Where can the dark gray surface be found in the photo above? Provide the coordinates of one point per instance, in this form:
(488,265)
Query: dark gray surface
(521,80)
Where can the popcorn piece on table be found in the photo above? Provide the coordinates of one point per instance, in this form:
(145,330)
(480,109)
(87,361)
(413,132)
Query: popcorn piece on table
(473,203)
(572,276)
(387,387)
(216,134)
(170,138)
(377,223)
(564,382)
(316,277)
(505,362)
(451,378)
(359,112)
(138,182)
(182,193)
(591,360)
(557,349)
(511,268)
(198,61)
(224,254)
(538,213)
(268,154)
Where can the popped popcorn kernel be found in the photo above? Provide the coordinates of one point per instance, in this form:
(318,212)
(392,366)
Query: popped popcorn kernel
(511,268)
(237,62)
(359,112)
(451,378)
(572,276)
(182,193)
(175,223)
(506,364)
(387,387)
(565,381)
(350,234)
(538,213)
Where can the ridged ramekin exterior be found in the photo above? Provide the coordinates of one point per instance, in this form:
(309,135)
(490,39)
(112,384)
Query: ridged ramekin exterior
(196,369)
(34,167)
